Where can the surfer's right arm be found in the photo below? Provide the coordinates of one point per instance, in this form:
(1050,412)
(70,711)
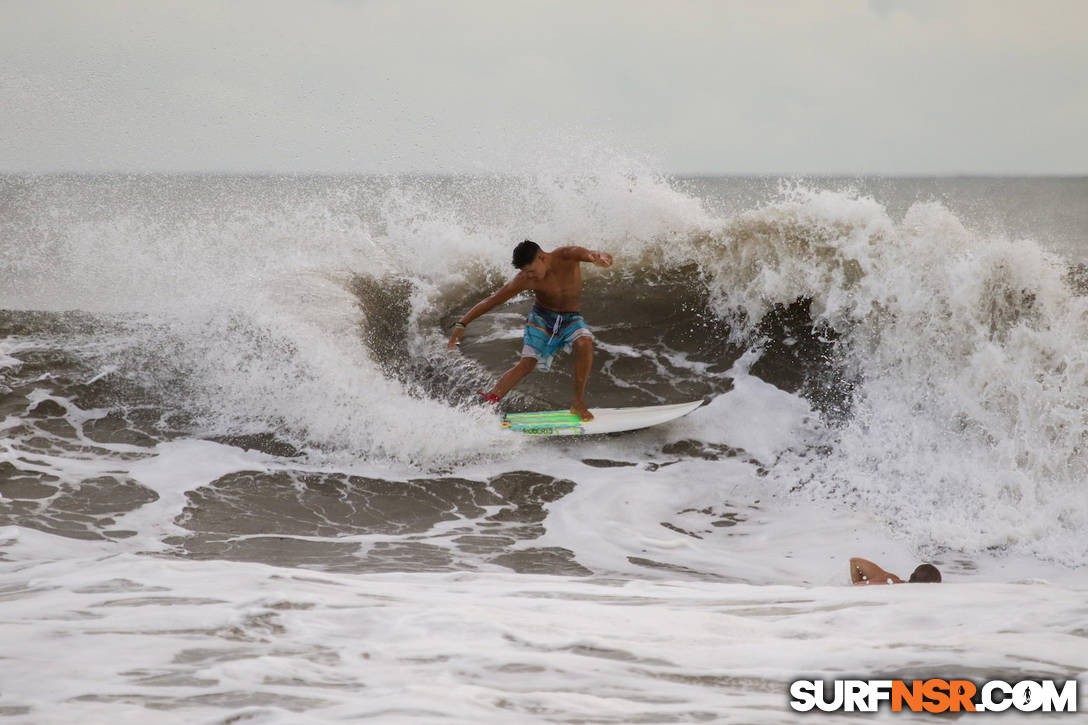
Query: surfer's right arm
(507,291)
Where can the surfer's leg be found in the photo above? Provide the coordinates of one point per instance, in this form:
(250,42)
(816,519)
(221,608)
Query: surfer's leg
(583,361)
(512,376)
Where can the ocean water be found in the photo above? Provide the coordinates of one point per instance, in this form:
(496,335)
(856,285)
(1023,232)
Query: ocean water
(242,479)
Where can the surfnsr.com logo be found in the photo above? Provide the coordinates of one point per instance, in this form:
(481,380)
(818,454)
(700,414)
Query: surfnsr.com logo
(934,695)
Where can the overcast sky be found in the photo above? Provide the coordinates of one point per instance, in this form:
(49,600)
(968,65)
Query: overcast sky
(379,86)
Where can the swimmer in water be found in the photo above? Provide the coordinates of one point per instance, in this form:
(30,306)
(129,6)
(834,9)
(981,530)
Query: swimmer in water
(863,571)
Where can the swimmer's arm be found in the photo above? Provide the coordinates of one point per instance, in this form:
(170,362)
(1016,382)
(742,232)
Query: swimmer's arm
(581,254)
(504,293)
(863,571)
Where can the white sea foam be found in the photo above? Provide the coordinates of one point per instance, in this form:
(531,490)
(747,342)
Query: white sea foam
(967,429)
(228,642)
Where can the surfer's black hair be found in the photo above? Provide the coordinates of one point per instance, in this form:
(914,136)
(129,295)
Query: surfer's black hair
(525,253)
(926,573)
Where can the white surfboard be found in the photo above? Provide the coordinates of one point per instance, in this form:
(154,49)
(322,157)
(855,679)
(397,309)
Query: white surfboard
(605,420)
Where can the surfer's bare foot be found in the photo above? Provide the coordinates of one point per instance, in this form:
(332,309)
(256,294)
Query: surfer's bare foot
(580,410)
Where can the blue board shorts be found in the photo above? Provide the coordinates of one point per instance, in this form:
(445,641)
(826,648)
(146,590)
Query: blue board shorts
(547,332)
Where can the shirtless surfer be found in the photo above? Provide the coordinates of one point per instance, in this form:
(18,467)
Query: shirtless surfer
(863,571)
(554,323)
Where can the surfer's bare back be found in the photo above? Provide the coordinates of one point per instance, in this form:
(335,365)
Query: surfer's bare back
(555,322)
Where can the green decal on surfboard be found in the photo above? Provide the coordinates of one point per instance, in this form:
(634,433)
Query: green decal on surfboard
(543,423)
(605,420)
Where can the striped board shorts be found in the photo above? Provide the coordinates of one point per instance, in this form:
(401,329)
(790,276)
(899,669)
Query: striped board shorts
(547,332)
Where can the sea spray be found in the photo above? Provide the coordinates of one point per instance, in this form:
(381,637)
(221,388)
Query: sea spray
(956,356)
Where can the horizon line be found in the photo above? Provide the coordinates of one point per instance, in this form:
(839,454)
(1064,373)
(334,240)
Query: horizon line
(455,174)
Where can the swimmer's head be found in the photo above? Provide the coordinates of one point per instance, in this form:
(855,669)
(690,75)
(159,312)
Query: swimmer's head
(925,573)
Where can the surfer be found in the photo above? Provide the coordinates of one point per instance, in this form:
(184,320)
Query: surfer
(555,322)
(863,571)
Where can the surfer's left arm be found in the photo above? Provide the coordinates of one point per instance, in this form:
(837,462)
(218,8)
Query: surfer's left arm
(581,254)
